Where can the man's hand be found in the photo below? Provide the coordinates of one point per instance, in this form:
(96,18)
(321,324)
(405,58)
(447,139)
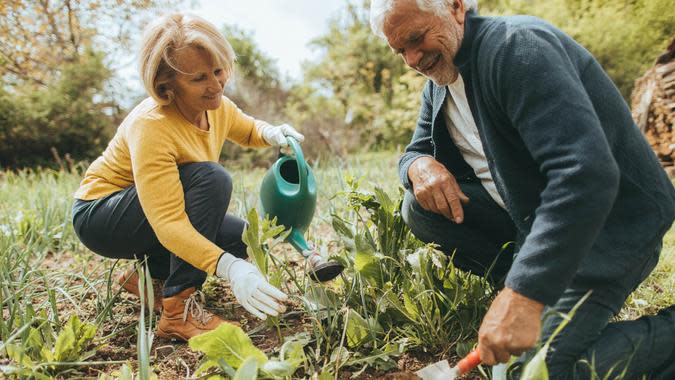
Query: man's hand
(436,190)
(510,327)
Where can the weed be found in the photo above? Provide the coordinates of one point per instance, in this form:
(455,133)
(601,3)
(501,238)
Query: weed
(42,352)
(396,295)
(229,351)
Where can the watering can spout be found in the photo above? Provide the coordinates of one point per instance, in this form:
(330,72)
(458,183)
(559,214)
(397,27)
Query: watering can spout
(297,240)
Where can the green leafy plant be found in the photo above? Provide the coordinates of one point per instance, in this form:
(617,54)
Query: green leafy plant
(125,372)
(396,292)
(260,236)
(229,351)
(46,275)
(42,352)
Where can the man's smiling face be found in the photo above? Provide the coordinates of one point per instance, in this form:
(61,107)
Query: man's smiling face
(426,41)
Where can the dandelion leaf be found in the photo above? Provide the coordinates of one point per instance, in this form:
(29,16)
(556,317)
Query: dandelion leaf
(278,369)
(227,342)
(357,329)
(367,264)
(248,370)
(73,339)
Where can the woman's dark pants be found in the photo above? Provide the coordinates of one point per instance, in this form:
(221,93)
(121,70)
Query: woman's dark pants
(115,226)
(642,346)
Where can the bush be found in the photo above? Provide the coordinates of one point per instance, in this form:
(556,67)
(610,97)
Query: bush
(66,118)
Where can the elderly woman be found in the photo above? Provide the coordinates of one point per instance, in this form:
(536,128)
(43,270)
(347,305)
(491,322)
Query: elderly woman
(158,193)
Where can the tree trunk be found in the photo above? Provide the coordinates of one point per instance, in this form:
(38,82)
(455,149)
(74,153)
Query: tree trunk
(653,105)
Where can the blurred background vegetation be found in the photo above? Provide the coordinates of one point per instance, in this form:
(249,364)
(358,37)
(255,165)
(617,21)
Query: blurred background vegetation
(61,94)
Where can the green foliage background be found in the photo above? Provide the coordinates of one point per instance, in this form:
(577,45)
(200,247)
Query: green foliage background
(355,96)
(66,118)
(361,82)
(625,36)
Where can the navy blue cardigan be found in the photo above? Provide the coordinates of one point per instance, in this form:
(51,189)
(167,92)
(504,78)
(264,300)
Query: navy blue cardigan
(582,185)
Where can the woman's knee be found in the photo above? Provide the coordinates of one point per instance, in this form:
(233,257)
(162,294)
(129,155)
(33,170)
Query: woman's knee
(206,176)
(229,236)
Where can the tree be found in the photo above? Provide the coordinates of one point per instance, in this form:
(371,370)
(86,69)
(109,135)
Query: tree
(39,37)
(61,119)
(257,88)
(361,82)
(57,60)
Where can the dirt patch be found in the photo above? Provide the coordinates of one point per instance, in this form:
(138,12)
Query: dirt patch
(93,289)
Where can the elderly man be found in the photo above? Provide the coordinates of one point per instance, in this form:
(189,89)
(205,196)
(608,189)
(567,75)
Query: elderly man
(522,137)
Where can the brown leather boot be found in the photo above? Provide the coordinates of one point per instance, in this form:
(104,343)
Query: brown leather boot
(184,316)
(129,282)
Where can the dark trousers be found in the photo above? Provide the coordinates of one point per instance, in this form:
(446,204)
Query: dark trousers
(643,346)
(116,227)
(482,244)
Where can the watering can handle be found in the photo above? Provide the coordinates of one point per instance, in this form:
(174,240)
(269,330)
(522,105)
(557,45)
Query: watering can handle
(302,165)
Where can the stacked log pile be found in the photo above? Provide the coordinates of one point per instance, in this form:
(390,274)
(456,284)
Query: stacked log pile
(653,105)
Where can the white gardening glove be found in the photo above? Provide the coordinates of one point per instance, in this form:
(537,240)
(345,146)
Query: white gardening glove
(250,288)
(277,135)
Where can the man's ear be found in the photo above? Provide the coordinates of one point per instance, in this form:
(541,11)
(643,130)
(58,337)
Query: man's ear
(458,11)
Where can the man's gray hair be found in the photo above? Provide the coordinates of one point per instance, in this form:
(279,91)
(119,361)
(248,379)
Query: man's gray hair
(379,9)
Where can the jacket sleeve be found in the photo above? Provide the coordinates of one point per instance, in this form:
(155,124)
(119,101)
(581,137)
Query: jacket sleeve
(540,90)
(421,144)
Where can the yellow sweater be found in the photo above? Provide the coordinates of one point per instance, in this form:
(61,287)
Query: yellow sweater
(146,150)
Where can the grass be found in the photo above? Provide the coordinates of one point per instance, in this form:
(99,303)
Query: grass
(47,277)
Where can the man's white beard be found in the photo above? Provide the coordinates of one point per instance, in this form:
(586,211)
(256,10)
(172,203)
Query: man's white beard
(449,76)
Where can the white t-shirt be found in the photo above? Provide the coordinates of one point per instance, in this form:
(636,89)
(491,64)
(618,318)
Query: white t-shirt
(464,133)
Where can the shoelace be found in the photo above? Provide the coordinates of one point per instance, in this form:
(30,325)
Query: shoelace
(193,305)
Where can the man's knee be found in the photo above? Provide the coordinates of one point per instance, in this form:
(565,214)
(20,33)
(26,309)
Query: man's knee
(416,218)
(406,206)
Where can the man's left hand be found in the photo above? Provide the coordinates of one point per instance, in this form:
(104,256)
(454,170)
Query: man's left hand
(510,327)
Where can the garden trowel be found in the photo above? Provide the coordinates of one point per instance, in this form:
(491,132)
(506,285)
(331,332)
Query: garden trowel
(441,370)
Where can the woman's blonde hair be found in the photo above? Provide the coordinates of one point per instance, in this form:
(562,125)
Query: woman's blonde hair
(173,32)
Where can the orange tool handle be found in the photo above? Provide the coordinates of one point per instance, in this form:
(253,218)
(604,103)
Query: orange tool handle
(471,361)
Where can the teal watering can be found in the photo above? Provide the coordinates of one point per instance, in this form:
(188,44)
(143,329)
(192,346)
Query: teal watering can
(288,192)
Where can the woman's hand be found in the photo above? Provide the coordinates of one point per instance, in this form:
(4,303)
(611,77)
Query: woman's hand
(250,288)
(276,135)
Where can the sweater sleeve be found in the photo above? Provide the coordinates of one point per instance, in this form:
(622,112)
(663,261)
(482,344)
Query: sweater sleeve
(160,192)
(540,90)
(421,144)
(242,127)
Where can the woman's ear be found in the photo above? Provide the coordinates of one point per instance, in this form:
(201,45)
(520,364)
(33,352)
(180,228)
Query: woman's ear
(165,91)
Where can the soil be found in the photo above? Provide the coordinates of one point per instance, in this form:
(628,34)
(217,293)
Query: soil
(175,360)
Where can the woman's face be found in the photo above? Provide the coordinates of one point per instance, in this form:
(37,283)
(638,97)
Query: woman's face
(199,84)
